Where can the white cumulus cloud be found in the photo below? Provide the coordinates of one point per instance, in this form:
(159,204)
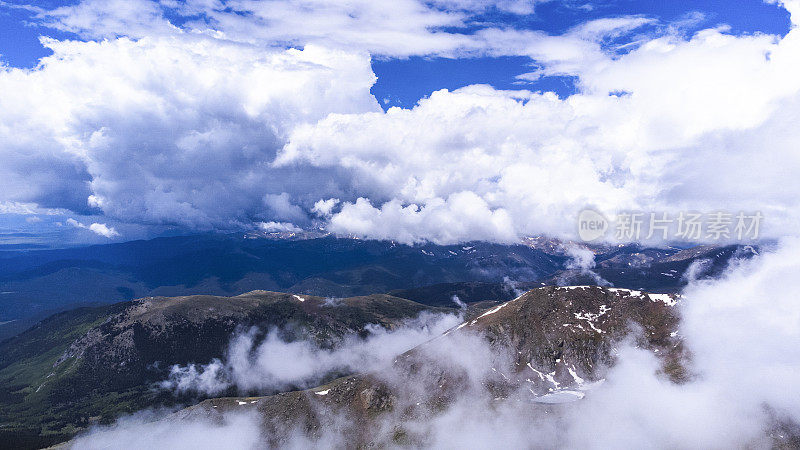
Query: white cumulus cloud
(209,126)
(169,130)
(103,230)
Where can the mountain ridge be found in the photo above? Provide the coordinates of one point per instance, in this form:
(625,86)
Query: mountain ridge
(548,362)
(93,364)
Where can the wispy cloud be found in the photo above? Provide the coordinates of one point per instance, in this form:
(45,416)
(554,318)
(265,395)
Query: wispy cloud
(99,229)
(262,365)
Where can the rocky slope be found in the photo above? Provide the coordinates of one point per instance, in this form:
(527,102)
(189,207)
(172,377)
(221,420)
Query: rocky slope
(560,332)
(94,364)
(545,348)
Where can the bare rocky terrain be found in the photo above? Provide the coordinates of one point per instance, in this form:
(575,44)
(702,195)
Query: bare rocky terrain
(547,348)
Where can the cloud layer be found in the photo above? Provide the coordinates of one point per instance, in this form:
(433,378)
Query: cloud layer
(167,130)
(209,124)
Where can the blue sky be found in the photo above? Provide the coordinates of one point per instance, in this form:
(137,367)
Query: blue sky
(122,135)
(403,81)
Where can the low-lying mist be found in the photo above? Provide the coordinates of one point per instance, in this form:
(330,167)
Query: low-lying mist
(277,364)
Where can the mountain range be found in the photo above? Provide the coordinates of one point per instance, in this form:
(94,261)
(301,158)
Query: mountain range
(37,283)
(377,322)
(91,365)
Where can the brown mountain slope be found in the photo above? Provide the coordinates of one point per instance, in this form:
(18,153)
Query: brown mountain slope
(547,346)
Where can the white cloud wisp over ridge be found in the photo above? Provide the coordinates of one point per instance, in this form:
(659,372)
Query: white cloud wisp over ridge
(262,365)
